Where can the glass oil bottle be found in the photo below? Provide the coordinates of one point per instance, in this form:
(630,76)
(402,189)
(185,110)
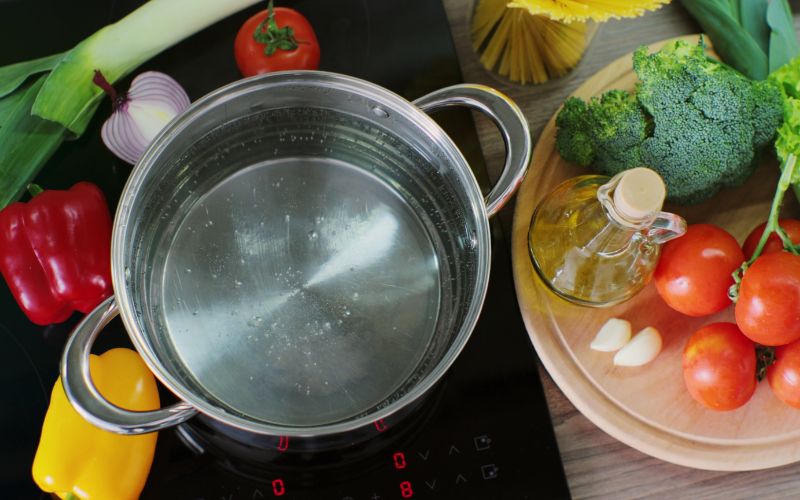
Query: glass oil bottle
(595,240)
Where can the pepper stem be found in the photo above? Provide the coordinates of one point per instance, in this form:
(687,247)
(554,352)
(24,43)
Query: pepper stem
(271,36)
(35,190)
(116,99)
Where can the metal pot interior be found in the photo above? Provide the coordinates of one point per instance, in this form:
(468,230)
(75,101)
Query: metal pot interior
(315,259)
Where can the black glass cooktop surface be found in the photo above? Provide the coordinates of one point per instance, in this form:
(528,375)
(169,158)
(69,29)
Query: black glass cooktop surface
(484,432)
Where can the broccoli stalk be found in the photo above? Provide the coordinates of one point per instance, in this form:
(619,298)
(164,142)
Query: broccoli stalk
(694,120)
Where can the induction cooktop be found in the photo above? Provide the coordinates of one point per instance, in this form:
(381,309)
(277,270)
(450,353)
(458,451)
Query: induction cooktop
(484,432)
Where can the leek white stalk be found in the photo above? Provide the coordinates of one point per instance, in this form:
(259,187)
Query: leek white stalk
(35,117)
(69,95)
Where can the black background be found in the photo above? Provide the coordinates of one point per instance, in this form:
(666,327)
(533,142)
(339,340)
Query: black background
(493,389)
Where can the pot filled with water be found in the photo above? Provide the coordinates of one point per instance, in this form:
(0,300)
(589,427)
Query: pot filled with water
(299,254)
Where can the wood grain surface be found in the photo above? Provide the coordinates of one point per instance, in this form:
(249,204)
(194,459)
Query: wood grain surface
(598,465)
(648,407)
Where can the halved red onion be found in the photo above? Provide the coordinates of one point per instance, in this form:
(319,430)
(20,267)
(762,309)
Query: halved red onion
(153,100)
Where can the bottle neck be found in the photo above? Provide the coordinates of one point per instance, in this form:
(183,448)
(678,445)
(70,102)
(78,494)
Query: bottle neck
(605,195)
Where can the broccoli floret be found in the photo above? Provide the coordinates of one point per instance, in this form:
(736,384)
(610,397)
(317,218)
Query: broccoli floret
(605,133)
(694,120)
(768,111)
(573,139)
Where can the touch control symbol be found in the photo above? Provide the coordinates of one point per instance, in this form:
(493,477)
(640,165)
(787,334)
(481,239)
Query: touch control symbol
(424,456)
(453,450)
(460,479)
(482,442)
(431,484)
(489,471)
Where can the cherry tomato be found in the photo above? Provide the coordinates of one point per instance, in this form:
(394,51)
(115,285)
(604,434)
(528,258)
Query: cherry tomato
(290,42)
(719,366)
(784,374)
(694,272)
(774,243)
(768,309)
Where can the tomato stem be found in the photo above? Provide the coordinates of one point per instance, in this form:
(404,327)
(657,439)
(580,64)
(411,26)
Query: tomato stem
(773,226)
(765,357)
(789,172)
(271,36)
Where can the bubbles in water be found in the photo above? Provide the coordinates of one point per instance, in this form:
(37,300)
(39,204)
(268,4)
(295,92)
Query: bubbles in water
(380,112)
(319,220)
(355,296)
(195,313)
(237,283)
(255,321)
(127,274)
(313,235)
(326,326)
(188,270)
(213,275)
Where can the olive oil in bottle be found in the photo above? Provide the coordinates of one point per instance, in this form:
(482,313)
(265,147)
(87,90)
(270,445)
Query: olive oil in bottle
(595,240)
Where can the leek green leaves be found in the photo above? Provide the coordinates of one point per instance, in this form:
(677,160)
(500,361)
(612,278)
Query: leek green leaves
(754,36)
(36,115)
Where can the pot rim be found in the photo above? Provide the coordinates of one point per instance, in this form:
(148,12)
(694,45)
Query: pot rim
(381,96)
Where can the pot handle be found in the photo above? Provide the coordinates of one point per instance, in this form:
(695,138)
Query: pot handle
(508,118)
(87,400)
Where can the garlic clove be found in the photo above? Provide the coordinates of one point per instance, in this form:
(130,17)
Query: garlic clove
(614,334)
(642,348)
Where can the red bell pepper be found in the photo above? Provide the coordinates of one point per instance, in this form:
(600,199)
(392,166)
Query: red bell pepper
(55,252)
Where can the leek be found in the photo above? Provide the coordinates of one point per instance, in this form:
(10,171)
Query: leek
(36,118)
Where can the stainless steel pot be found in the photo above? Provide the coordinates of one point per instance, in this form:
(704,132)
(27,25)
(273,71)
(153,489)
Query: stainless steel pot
(299,254)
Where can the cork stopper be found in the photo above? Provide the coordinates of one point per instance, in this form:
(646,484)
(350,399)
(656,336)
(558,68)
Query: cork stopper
(640,192)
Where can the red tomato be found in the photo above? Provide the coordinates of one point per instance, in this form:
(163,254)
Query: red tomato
(694,272)
(774,243)
(291,40)
(784,374)
(719,367)
(768,309)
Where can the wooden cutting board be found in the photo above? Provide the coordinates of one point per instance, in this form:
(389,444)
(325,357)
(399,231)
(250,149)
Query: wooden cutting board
(649,407)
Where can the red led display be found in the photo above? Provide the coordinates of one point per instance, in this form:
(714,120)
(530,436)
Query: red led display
(278,488)
(380,425)
(283,443)
(405,489)
(399,460)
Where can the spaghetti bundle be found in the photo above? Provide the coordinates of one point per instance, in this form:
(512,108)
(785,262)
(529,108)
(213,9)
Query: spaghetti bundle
(568,11)
(531,41)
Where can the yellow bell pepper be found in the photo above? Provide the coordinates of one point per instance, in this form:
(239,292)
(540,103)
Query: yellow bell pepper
(75,458)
